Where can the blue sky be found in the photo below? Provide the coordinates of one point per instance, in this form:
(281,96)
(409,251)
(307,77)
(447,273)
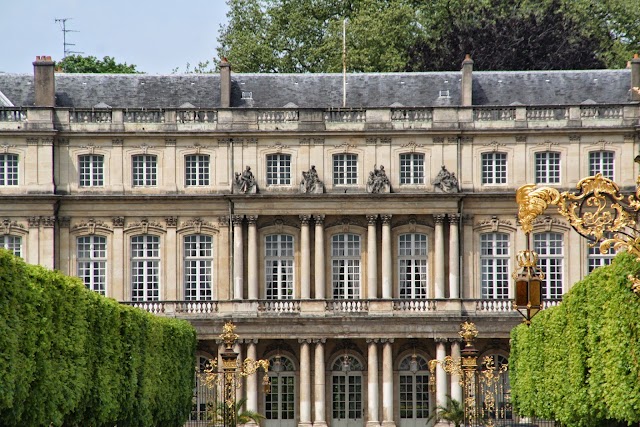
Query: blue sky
(157,36)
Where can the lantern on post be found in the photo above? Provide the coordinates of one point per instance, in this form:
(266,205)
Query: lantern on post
(528,280)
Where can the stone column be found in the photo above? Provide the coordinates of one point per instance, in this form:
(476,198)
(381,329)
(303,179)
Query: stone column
(438,256)
(319,259)
(116,286)
(305,384)
(48,245)
(387,383)
(372,383)
(252,380)
(305,258)
(237,347)
(454,256)
(171,284)
(456,388)
(33,239)
(372,257)
(252,258)
(238,257)
(318,384)
(387,279)
(65,251)
(441,375)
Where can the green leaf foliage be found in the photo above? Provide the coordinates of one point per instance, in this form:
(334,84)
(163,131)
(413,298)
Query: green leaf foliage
(287,36)
(579,363)
(93,65)
(71,357)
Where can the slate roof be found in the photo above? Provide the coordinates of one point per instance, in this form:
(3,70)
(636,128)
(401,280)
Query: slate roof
(325,90)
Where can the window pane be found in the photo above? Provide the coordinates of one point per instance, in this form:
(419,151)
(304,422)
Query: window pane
(8,169)
(412,168)
(145,268)
(197,170)
(550,249)
(494,265)
(92,262)
(412,265)
(494,168)
(11,243)
(345,169)
(198,260)
(279,169)
(144,170)
(345,250)
(601,162)
(547,168)
(91,170)
(279,266)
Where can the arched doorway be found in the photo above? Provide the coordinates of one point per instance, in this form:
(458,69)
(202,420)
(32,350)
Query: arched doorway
(413,388)
(346,392)
(203,395)
(280,404)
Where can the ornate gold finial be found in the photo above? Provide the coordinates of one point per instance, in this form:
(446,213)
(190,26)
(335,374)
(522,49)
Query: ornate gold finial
(468,332)
(228,335)
(527,258)
(533,202)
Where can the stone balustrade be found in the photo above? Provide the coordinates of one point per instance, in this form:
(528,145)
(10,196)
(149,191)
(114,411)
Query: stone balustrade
(210,120)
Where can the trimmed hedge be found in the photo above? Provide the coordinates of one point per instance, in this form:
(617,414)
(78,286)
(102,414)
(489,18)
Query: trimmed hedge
(69,356)
(579,363)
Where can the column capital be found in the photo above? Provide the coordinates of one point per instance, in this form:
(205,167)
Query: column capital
(372,219)
(117,221)
(305,340)
(387,340)
(172,221)
(441,340)
(236,219)
(252,219)
(319,340)
(386,219)
(304,219)
(438,218)
(373,340)
(453,218)
(319,219)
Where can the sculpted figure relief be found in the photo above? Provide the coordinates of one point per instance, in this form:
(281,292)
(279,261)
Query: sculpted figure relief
(245,181)
(310,182)
(378,181)
(446,181)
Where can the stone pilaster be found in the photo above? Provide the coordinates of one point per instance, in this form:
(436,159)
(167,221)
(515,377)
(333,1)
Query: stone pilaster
(305,258)
(387,279)
(252,258)
(238,257)
(372,257)
(319,258)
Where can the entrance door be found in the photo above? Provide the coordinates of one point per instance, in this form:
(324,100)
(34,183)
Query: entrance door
(346,386)
(414,392)
(280,403)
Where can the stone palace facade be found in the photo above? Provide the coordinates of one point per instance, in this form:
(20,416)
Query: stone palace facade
(347,243)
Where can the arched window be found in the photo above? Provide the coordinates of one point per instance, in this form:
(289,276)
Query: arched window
(198,260)
(145,268)
(346,386)
(12,243)
(412,265)
(280,404)
(414,391)
(494,265)
(279,269)
(92,262)
(345,266)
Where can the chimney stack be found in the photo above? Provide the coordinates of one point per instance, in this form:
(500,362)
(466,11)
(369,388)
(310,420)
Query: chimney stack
(44,82)
(225,83)
(467,81)
(635,78)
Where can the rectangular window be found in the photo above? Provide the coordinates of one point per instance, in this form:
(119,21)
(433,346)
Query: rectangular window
(279,169)
(601,162)
(549,247)
(8,169)
(412,168)
(92,262)
(145,170)
(412,265)
(494,168)
(145,268)
(196,170)
(345,266)
(596,258)
(278,264)
(494,265)
(12,243)
(198,259)
(91,170)
(345,169)
(547,168)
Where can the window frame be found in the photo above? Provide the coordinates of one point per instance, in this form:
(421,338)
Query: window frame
(282,287)
(154,261)
(547,167)
(412,168)
(145,174)
(6,243)
(198,266)
(197,174)
(343,286)
(598,163)
(9,169)
(493,173)
(415,290)
(278,167)
(345,169)
(93,263)
(495,284)
(551,262)
(91,174)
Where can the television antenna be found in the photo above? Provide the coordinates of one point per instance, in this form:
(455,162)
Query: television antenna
(65,45)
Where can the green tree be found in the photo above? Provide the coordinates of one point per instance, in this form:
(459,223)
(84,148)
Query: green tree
(243,415)
(91,64)
(414,35)
(452,412)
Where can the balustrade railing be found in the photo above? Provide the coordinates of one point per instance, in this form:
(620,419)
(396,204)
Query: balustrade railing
(155,307)
(345,116)
(414,305)
(12,114)
(494,114)
(196,116)
(278,116)
(143,116)
(279,306)
(412,115)
(547,113)
(90,116)
(494,305)
(347,306)
(551,303)
(196,307)
(606,112)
